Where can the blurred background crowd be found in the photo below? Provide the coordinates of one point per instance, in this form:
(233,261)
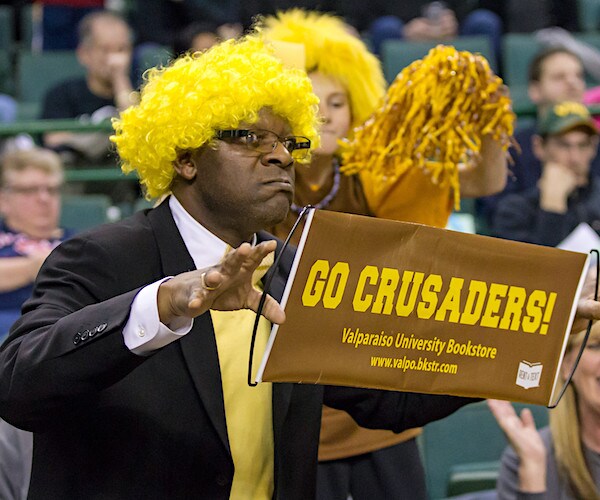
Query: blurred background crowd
(67,67)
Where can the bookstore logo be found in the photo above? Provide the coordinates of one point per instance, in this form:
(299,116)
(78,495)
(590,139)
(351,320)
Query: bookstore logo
(529,374)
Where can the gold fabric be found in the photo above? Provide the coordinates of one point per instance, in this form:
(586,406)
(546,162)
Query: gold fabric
(248,410)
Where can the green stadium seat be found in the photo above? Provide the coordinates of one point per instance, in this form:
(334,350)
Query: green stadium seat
(6,73)
(7,31)
(517,52)
(27,23)
(472,477)
(142,204)
(154,56)
(469,436)
(589,14)
(7,45)
(37,73)
(81,212)
(397,54)
(592,38)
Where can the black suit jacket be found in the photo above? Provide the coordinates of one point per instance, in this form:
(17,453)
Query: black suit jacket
(110,424)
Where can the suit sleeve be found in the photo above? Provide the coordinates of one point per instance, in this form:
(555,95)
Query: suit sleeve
(68,344)
(395,411)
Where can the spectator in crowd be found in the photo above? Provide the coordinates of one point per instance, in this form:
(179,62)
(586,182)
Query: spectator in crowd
(589,55)
(555,75)
(104,49)
(60,19)
(30,183)
(561,461)
(196,36)
(180,25)
(349,82)
(526,17)
(352,460)
(566,194)
(422,20)
(159,22)
(111,363)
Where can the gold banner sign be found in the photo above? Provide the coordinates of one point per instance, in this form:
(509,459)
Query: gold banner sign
(400,306)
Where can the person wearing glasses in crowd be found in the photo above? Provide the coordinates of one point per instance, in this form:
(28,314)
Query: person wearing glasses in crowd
(349,82)
(30,184)
(129,362)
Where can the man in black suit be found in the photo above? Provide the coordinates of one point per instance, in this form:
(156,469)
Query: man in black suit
(129,362)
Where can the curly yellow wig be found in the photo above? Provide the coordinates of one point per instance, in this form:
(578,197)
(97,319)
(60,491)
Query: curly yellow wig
(332,50)
(183,104)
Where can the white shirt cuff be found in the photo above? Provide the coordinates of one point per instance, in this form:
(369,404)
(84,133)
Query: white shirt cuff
(144,333)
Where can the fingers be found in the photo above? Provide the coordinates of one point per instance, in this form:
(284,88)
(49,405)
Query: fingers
(588,309)
(501,409)
(211,280)
(228,285)
(209,283)
(271,309)
(258,253)
(247,257)
(527,418)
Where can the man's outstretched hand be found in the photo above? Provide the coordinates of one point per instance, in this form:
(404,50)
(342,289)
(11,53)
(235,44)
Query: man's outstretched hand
(226,286)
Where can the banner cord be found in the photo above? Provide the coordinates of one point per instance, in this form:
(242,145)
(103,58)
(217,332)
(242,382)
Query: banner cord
(267,286)
(585,338)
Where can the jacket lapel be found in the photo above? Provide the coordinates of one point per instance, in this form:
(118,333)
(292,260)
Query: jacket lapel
(282,393)
(199,347)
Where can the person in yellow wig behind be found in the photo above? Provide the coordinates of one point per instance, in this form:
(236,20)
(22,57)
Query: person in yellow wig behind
(349,82)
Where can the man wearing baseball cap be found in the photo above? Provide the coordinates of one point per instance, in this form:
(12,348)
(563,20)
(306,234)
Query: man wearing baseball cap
(566,194)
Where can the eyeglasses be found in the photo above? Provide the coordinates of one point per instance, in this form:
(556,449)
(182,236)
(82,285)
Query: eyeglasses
(30,191)
(265,141)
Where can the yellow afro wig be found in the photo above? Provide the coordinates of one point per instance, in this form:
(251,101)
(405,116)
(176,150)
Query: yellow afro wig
(183,104)
(332,50)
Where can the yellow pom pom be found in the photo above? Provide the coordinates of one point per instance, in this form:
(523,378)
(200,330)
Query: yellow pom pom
(434,117)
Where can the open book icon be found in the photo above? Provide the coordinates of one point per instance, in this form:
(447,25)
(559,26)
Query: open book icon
(529,374)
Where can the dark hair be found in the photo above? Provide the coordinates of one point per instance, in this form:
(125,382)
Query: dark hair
(184,39)
(535,67)
(85,27)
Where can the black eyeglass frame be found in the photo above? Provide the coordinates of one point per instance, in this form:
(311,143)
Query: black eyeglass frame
(295,145)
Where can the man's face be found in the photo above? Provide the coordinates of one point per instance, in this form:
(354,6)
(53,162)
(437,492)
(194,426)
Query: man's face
(30,200)
(561,79)
(109,46)
(574,150)
(242,190)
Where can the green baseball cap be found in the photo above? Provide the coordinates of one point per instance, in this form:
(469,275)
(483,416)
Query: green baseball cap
(565,116)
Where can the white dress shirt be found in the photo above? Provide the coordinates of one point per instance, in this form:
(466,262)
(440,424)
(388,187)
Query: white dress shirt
(143,332)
